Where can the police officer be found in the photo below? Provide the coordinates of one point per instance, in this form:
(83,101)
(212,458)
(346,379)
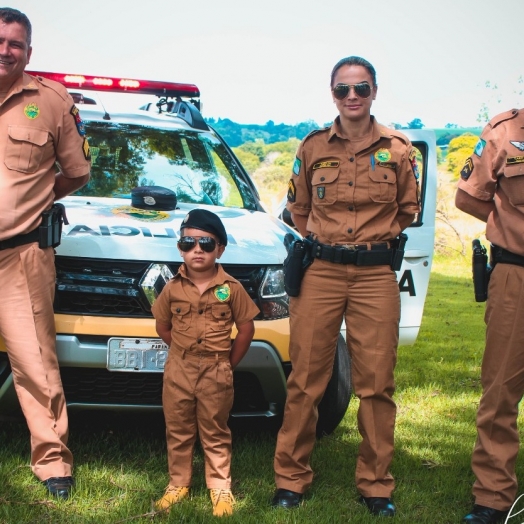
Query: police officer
(43,157)
(353,190)
(491,188)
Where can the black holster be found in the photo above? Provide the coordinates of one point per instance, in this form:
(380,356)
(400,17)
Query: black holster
(297,261)
(50,230)
(481,271)
(399,247)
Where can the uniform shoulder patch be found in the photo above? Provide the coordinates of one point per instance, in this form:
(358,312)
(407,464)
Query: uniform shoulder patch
(291,191)
(296,166)
(479,148)
(466,171)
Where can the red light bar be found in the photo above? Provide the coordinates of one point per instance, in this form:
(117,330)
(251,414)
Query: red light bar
(121,85)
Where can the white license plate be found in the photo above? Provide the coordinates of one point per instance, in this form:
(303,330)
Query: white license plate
(136,354)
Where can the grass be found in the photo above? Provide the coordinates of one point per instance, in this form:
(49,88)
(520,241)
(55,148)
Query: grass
(121,461)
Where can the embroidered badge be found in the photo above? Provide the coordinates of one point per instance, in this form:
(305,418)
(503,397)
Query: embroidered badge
(518,145)
(514,160)
(467,169)
(81,128)
(383,155)
(296,166)
(31,111)
(327,163)
(391,165)
(321,191)
(479,148)
(86,150)
(222,293)
(291,191)
(144,215)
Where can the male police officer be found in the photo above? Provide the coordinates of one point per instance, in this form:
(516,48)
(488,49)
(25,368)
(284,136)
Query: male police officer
(491,189)
(44,156)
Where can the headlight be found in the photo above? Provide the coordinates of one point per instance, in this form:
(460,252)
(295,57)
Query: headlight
(274,301)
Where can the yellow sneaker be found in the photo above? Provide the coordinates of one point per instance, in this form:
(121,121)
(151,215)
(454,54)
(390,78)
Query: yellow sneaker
(223,501)
(173,495)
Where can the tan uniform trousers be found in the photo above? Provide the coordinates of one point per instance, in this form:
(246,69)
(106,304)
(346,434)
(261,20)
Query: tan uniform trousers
(497,446)
(369,299)
(27,325)
(198,394)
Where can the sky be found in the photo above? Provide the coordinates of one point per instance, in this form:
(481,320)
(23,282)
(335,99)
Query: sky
(261,60)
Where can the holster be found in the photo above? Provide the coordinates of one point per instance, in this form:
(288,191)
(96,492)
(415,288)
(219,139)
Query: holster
(50,230)
(481,271)
(399,247)
(297,261)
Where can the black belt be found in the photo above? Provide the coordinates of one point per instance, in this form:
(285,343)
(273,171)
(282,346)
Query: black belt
(20,240)
(359,254)
(499,254)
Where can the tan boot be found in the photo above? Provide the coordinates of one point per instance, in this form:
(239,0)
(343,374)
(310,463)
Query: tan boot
(173,495)
(223,501)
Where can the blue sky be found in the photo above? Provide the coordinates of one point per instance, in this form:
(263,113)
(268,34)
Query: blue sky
(256,61)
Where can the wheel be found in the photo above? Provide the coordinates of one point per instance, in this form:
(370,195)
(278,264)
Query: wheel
(335,401)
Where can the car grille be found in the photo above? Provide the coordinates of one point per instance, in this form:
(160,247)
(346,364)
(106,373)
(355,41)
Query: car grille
(87,286)
(100,386)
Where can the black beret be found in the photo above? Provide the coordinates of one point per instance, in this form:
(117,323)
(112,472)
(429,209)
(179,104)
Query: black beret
(206,221)
(153,197)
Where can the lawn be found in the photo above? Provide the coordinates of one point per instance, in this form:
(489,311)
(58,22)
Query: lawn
(121,462)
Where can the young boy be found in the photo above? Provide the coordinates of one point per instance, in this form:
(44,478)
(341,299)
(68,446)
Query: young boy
(194,316)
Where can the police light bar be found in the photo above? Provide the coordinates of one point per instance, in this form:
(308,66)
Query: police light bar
(121,85)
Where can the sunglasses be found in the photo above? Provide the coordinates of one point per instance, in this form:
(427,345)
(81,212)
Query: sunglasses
(207,244)
(363,90)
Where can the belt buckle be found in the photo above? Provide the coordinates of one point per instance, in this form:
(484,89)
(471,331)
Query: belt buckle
(350,247)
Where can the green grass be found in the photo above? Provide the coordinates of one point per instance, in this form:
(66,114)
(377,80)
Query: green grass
(121,462)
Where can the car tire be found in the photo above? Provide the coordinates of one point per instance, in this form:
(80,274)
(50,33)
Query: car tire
(335,401)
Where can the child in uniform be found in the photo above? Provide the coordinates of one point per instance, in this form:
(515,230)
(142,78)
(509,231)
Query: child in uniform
(195,313)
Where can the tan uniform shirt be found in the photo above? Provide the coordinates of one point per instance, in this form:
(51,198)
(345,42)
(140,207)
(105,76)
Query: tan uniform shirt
(203,322)
(39,126)
(353,191)
(495,172)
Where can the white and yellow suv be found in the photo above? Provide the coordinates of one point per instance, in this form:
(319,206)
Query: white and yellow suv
(150,166)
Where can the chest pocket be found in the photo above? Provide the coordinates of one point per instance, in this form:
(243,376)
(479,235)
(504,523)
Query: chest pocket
(221,317)
(25,148)
(181,315)
(382,184)
(324,184)
(513,182)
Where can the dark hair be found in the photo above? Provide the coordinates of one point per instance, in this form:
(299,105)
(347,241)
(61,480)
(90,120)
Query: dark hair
(354,60)
(9,15)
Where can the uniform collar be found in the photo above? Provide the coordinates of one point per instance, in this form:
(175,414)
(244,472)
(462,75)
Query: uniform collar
(220,278)
(378,131)
(24,82)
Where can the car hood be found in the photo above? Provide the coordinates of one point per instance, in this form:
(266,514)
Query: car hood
(110,228)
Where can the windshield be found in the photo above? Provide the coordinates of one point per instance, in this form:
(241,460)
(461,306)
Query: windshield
(195,165)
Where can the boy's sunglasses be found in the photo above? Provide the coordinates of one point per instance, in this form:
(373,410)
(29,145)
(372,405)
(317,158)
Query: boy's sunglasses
(206,244)
(363,90)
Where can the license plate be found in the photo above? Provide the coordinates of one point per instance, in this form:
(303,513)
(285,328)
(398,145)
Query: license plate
(136,354)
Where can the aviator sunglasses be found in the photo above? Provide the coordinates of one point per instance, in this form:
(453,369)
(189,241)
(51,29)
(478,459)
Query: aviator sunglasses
(363,90)
(207,244)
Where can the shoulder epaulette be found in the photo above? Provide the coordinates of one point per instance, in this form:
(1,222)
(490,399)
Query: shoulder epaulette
(58,88)
(314,132)
(502,117)
(386,131)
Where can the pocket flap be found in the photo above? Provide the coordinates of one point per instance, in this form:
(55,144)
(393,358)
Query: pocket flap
(180,309)
(324,176)
(28,134)
(383,175)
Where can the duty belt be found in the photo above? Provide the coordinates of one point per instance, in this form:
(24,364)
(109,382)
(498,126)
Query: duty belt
(20,240)
(358,254)
(204,355)
(499,254)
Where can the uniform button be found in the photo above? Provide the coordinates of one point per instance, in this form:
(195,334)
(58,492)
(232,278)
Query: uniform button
(322,178)
(351,208)
(222,314)
(351,159)
(178,310)
(385,176)
(200,311)
(350,183)
(350,230)
(199,341)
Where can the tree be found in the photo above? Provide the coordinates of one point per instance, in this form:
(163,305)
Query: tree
(499,100)
(451,126)
(459,150)
(416,123)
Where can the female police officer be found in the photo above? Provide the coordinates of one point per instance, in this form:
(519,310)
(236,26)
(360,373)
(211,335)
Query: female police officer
(353,190)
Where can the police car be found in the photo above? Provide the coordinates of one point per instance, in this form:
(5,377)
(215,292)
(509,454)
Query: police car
(151,165)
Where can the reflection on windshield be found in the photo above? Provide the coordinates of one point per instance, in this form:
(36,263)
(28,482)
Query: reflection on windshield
(196,166)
